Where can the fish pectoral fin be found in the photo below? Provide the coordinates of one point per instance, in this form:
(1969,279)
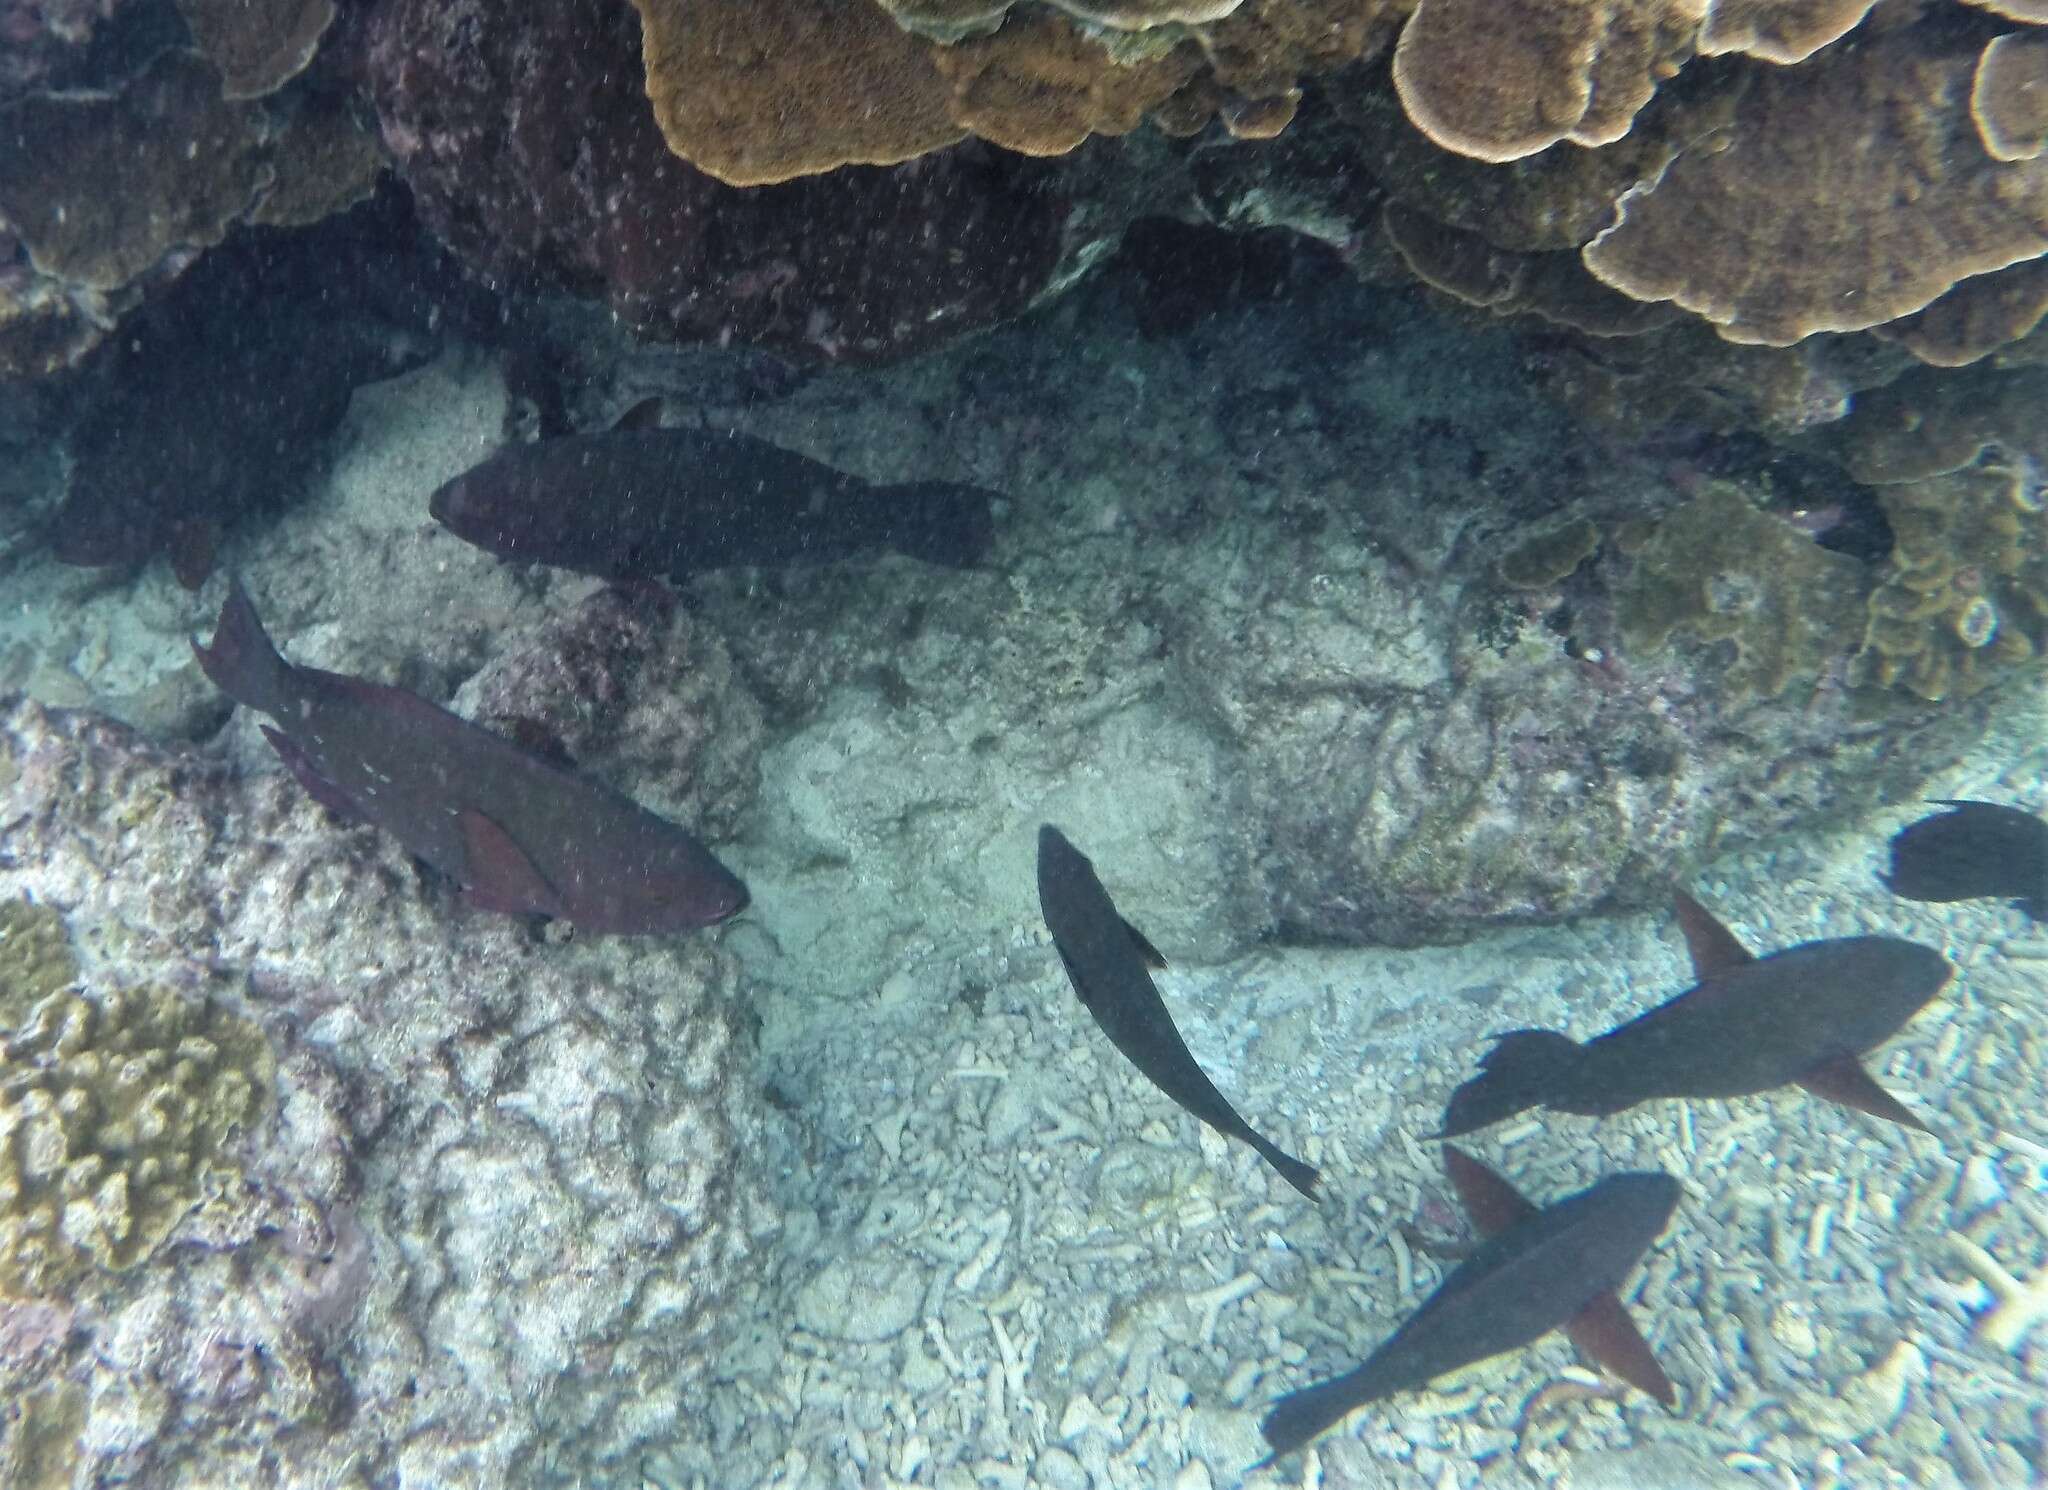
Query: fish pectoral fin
(318,787)
(1714,948)
(499,876)
(1493,1204)
(1152,955)
(1844,1080)
(1606,1336)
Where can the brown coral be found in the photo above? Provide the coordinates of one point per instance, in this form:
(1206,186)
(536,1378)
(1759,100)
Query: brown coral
(2009,96)
(755,93)
(1784,31)
(1965,596)
(257,45)
(1040,87)
(102,189)
(1724,571)
(1553,287)
(1977,318)
(1498,81)
(1773,239)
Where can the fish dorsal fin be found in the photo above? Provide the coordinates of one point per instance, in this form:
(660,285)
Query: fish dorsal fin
(1714,948)
(1493,1204)
(537,738)
(1151,954)
(644,415)
(1606,1336)
(499,875)
(1842,1079)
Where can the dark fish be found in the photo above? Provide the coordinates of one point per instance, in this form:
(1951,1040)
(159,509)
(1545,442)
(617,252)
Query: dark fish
(1105,958)
(1537,1271)
(1802,1016)
(519,833)
(1980,850)
(664,503)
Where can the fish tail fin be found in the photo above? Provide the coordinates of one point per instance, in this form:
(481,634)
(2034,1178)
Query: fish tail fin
(1525,1068)
(1300,1416)
(241,660)
(1303,1176)
(943,522)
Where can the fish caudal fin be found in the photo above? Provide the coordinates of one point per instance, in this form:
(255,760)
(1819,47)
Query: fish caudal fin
(1525,1068)
(1304,1177)
(1300,1416)
(1844,1080)
(942,522)
(241,661)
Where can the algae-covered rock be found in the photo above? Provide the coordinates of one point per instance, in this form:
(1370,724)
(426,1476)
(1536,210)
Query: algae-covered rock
(116,1112)
(1723,571)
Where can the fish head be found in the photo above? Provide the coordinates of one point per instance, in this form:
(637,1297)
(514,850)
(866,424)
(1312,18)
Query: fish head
(1900,972)
(677,887)
(501,507)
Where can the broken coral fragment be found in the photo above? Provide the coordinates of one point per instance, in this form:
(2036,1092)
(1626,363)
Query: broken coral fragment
(2009,96)
(1773,238)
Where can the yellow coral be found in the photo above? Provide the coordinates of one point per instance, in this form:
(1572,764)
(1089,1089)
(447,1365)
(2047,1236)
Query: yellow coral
(115,1116)
(35,959)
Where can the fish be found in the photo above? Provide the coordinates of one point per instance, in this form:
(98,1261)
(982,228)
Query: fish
(1751,1024)
(635,503)
(1979,850)
(519,833)
(1108,960)
(1537,1271)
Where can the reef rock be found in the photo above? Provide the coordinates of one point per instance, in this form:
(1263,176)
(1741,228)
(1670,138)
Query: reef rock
(475,1204)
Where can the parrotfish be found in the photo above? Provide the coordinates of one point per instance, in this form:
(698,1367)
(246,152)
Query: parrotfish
(1537,1271)
(1107,961)
(647,504)
(1979,850)
(1802,1017)
(519,833)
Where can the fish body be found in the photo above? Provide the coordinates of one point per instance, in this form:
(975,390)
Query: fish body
(1977,850)
(632,504)
(1801,1016)
(1106,960)
(518,832)
(1537,1271)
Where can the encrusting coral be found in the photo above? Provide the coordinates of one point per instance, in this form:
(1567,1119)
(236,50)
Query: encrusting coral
(1724,571)
(1772,240)
(117,1112)
(35,959)
(2009,96)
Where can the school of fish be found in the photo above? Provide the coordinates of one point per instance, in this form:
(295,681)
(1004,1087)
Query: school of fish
(521,833)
